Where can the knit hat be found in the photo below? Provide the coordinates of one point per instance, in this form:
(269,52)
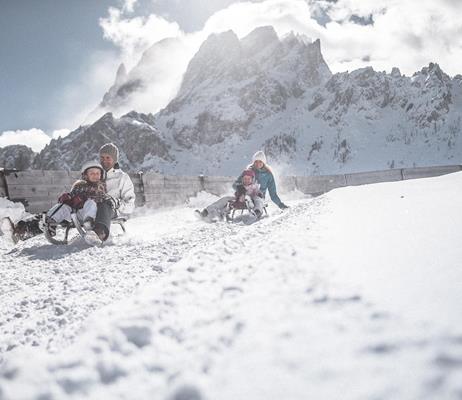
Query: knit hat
(259,155)
(110,149)
(249,172)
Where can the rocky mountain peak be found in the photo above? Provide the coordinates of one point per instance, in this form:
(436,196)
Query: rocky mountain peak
(16,156)
(259,39)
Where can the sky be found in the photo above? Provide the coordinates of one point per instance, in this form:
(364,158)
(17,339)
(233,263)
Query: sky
(58,58)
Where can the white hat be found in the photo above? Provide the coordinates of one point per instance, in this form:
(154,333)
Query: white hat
(93,164)
(259,155)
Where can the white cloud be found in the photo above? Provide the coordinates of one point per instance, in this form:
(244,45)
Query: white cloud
(34,138)
(80,97)
(129,5)
(60,133)
(134,35)
(403,34)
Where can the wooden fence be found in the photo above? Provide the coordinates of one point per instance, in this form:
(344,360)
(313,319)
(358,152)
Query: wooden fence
(38,190)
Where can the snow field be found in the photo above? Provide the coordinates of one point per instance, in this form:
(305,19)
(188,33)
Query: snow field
(351,295)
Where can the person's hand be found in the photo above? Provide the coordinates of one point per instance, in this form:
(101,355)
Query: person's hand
(64,198)
(76,202)
(282,206)
(115,203)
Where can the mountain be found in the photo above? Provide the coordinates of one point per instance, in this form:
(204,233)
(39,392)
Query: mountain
(134,133)
(16,157)
(151,84)
(276,94)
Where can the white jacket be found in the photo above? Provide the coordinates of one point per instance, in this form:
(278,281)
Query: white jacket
(120,186)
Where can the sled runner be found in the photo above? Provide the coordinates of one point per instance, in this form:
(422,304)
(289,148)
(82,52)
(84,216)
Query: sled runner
(59,233)
(243,206)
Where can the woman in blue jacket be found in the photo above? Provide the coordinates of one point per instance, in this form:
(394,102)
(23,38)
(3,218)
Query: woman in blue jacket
(264,176)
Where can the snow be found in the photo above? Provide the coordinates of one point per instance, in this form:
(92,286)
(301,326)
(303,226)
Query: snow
(354,295)
(15,211)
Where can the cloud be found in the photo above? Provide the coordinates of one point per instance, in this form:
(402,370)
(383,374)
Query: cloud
(388,32)
(401,35)
(60,133)
(129,5)
(133,35)
(83,94)
(354,34)
(34,138)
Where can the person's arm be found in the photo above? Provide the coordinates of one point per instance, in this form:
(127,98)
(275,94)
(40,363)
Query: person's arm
(127,195)
(237,182)
(273,194)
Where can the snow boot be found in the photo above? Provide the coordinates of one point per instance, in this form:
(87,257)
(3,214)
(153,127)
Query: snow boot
(7,229)
(23,230)
(201,214)
(89,224)
(92,239)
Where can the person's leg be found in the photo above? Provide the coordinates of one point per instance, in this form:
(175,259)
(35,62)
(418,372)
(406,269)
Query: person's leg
(258,204)
(218,208)
(104,214)
(88,212)
(60,212)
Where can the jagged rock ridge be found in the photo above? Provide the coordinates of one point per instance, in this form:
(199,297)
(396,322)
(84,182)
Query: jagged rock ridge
(262,91)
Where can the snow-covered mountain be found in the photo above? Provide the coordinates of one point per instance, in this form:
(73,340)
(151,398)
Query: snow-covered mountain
(16,157)
(151,84)
(277,94)
(134,133)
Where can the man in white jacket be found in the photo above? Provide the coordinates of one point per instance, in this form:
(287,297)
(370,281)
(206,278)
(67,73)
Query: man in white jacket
(119,187)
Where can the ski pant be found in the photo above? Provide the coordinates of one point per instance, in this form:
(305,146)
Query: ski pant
(217,210)
(103,218)
(62,212)
(256,203)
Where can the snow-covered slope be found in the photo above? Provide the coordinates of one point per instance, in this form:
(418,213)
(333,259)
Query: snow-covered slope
(277,94)
(352,295)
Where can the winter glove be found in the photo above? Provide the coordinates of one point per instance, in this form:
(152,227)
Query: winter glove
(282,206)
(115,203)
(64,198)
(240,191)
(76,201)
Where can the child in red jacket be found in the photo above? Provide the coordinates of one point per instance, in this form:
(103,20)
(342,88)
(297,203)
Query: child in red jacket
(83,197)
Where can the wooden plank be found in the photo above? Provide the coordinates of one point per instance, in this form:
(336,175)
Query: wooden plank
(183,185)
(286,184)
(3,186)
(218,185)
(427,172)
(38,206)
(363,178)
(27,178)
(32,192)
(319,184)
(152,177)
(183,194)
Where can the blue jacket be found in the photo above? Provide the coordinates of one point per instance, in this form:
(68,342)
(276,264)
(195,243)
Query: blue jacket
(266,180)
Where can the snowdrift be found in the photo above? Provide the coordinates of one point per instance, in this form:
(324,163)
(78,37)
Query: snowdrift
(354,295)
